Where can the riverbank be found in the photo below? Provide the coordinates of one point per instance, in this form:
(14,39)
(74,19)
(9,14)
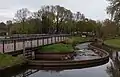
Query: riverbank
(7,61)
(76,40)
(113,43)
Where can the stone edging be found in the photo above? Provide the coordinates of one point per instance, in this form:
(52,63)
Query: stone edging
(102,51)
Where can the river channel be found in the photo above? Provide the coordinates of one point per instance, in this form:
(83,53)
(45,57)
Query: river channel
(110,69)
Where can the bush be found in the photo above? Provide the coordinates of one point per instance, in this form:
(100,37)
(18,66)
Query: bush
(8,60)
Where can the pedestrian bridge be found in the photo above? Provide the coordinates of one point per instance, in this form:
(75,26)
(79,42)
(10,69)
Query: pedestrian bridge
(10,45)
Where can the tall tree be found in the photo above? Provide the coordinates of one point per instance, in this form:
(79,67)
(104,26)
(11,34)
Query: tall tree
(56,14)
(114,9)
(109,28)
(22,15)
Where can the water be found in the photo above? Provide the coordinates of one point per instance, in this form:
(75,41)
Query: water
(84,53)
(99,71)
(110,69)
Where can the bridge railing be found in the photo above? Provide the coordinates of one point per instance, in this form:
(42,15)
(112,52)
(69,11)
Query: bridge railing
(33,35)
(16,44)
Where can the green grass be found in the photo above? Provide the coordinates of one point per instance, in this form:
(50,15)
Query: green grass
(57,48)
(113,42)
(66,46)
(8,60)
(75,40)
(79,39)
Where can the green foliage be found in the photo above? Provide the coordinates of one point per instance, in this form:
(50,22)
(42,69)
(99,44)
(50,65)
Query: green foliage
(75,40)
(58,48)
(31,26)
(86,26)
(113,10)
(7,60)
(51,19)
(57,19)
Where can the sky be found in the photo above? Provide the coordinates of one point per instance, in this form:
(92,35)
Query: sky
(94,9)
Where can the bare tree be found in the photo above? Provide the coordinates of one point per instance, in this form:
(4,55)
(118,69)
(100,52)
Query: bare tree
(22,15)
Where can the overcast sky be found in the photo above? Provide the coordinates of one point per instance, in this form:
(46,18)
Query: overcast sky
(94,9)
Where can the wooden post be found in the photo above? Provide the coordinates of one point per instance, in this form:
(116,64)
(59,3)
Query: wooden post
(51,40)
(3,46)
(28,44)
(64,38)
(42,41)
(55,39)
(31,43)
(37,42)
(14,45)
(47,41)
(60,38)
(24,48)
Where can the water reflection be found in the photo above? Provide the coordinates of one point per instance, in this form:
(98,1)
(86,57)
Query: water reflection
(111,69)
(22,73)
(62,72)
(26,73)
(114,68)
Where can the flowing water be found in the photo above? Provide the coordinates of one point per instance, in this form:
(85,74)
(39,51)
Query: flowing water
(110,69)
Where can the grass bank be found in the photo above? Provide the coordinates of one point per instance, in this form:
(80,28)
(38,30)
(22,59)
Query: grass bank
(58,48)
(8,60)
(65,46)
(113,42)
(76,40)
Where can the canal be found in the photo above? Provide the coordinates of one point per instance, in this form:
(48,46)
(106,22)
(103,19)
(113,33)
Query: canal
(110,69)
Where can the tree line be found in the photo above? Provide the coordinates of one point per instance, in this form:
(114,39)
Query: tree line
(55,20)
(50,19)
